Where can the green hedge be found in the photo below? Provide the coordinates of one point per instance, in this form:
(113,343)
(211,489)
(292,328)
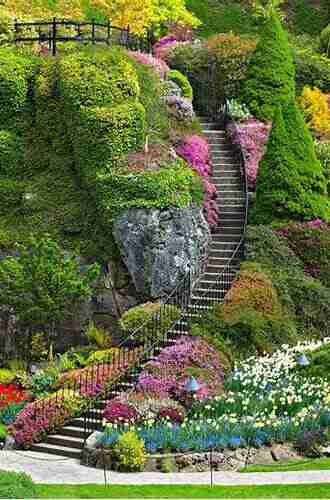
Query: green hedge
(16,485)
(104,134)
(16,75)
(182,81)
(290,182)
(172,185)
(312,69)
(11,154)
(100,78)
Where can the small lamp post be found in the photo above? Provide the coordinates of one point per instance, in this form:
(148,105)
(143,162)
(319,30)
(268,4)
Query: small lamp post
(192,385)
(303,360)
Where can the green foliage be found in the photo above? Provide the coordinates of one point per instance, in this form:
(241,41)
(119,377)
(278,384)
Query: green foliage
(319,363)
(116,130)
(172,185)
(322,150)
(97,78)
(39,347)
(11,154)
(16,485)
(270,77)
(306,18)
(98,337)
(3,435)
(306,298)
(132,320)
(43,285)
(221,16)
(290,183)
(104,356)
(182,81)
(151,97)
(325,40)
(129,452)
(6,376)
(11,195)
(312,69)
(16,73)
(42,383)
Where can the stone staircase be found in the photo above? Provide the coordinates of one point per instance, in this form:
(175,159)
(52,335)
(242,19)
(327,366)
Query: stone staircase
(69,440)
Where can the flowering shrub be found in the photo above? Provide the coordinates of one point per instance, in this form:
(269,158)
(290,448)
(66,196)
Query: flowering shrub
(310,241)
(237,111)
(148,405)
(156,63)
(11,394)
(315,105)
(195,150)
(117,412)
(169,372)
(163,45)
(252,136)
(170,414)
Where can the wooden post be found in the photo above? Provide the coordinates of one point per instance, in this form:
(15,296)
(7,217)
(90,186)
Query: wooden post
(54,36)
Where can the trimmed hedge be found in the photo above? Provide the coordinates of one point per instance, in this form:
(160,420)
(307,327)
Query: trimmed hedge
(100,78)
(270,77)
(172,185)
(104,134)
(182,81)
(290,183)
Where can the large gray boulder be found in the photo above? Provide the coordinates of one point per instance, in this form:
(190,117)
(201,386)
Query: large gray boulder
(158,246)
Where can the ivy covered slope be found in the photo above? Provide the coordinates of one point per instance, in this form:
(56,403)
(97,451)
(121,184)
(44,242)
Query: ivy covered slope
(67,125)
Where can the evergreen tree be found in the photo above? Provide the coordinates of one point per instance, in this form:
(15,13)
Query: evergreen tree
(270,80)
(290,183)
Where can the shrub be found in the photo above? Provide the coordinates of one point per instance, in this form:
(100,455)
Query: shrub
(42,383)
(138,321)
(195,151)
(3,435)
(148,405)
(236,110)
(315,106)
(180,108)
(183,82)
(129,452)
(16,485)
(173,185)
(169,372)
(252,136)
(98,337)
(116,131)
(105,356)
(325,40)
(164,44)
(158,65)
(6,376)
(319,363)
(11,195)
(312,70)
(85,79)
(311,243)
(10,412)
(11,154)
(322,150)
(119,413)
(270,77)
(290,183)
(170,414)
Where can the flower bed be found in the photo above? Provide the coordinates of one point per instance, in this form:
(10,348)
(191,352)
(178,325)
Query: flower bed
(266,399)
(195,150)
(252,135)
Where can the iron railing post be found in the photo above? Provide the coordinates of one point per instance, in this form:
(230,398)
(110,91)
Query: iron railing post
(54,37)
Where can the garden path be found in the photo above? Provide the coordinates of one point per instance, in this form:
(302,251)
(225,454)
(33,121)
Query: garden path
(44,468)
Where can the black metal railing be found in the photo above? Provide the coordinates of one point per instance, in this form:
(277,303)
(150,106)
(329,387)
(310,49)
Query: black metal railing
(50,33)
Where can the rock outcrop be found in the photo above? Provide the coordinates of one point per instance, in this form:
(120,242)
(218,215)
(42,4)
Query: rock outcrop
(158,246)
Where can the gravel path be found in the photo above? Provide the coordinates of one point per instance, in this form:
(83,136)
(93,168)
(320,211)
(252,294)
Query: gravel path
(49,469)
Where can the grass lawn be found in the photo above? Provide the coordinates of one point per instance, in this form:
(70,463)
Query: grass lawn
(184,491)
(311,464)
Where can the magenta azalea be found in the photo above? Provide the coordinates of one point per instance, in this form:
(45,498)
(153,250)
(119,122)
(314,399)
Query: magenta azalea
(252,135)
(157,64)
(165,43)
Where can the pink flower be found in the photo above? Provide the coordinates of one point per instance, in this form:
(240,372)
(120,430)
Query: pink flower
(157,64)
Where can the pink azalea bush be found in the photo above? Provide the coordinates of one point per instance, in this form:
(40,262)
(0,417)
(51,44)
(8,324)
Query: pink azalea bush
(163,45)
(156,63)
(252,135)
(195,150)
(168,374)
(117,412)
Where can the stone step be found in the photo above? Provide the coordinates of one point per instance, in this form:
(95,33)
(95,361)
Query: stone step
(61,451)
(73,431)
(65,441)
(230,215)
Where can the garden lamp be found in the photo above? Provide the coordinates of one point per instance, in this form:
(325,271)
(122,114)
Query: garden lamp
(303,360)
(192,385)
